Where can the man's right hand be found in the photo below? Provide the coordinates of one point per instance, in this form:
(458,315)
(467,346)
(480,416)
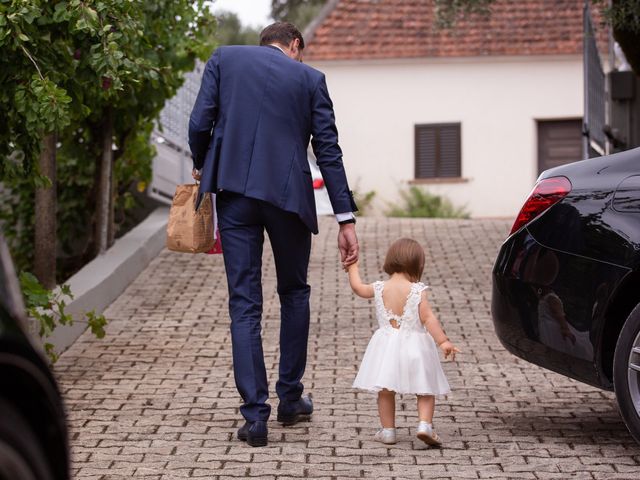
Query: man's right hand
(348,244)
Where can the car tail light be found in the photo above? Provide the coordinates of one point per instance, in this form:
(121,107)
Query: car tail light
(318,183)
(545,193)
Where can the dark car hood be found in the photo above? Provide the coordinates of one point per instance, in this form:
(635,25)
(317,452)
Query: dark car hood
(584,222)
(618,164)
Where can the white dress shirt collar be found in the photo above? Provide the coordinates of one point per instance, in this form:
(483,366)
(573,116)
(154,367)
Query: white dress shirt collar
(278,47)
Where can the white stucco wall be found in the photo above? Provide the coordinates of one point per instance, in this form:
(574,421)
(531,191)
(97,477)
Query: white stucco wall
(497,100)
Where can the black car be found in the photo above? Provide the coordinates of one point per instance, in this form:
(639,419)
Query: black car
(33,432)
(566,283)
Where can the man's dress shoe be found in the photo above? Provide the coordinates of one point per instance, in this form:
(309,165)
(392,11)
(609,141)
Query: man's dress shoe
(254,433)
(290,413)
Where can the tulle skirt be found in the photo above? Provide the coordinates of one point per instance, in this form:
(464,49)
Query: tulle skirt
(402,361)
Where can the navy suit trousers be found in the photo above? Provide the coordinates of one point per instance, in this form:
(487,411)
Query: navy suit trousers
(242,222)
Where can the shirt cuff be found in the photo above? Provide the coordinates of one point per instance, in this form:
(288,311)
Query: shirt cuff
(341,217)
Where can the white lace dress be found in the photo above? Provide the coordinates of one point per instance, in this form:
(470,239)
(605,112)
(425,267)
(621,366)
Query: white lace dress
(404,359)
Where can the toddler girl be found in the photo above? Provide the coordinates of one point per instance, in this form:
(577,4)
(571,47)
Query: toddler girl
(402,356)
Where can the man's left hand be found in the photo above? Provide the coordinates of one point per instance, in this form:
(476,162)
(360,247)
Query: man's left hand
(196,174)
(348,244)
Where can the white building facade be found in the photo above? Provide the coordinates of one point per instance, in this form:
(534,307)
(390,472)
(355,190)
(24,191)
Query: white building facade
(473,112)
(500,104)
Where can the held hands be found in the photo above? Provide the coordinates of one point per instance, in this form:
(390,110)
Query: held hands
(196,174)
(348,244)
(449,348)
(353,266)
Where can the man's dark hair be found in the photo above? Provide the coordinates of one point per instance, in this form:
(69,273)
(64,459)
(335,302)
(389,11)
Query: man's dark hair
(281,32)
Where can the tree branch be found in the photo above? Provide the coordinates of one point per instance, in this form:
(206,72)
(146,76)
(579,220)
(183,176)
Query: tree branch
(32,61)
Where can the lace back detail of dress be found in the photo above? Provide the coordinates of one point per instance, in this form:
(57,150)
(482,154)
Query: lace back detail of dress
(410,318)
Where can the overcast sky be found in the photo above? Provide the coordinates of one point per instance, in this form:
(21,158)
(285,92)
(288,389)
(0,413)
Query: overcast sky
(251,12)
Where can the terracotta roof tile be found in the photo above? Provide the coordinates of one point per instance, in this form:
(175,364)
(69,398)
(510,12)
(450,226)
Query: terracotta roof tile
(373,29)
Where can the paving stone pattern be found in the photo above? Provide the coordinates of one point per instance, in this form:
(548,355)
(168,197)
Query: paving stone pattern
(155,399)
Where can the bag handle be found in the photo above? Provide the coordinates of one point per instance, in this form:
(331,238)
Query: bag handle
(199,198)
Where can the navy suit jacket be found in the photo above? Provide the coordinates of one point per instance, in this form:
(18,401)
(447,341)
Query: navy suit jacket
(250,128)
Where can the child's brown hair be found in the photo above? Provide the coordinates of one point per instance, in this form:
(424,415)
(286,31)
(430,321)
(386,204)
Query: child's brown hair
(405,256)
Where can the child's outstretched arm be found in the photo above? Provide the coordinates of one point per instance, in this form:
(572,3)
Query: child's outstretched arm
(361,289)
(433,326)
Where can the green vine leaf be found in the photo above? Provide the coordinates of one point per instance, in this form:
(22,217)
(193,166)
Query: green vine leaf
(47,307)
(96,323)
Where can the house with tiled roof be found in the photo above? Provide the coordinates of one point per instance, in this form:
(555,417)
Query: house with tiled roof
(473,113)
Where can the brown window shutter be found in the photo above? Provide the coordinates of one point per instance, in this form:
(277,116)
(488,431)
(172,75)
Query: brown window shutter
(437,150)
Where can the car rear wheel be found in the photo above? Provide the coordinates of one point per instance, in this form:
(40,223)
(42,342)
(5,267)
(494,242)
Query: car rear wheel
(626,372)
(21,454)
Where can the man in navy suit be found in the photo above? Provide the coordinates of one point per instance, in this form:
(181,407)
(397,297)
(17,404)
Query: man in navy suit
(256,111)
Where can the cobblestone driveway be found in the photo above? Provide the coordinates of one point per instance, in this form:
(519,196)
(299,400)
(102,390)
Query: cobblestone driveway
(155,399)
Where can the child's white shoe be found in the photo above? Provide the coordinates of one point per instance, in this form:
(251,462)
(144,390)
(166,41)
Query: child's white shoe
(386,436)
(427,435)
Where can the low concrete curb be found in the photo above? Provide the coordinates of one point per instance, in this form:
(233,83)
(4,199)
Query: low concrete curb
(102,280)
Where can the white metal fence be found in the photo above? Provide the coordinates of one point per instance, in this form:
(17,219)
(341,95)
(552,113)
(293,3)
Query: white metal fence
(172,164)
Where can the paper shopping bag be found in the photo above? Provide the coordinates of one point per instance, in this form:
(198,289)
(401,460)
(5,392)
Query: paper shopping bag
(190,230)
